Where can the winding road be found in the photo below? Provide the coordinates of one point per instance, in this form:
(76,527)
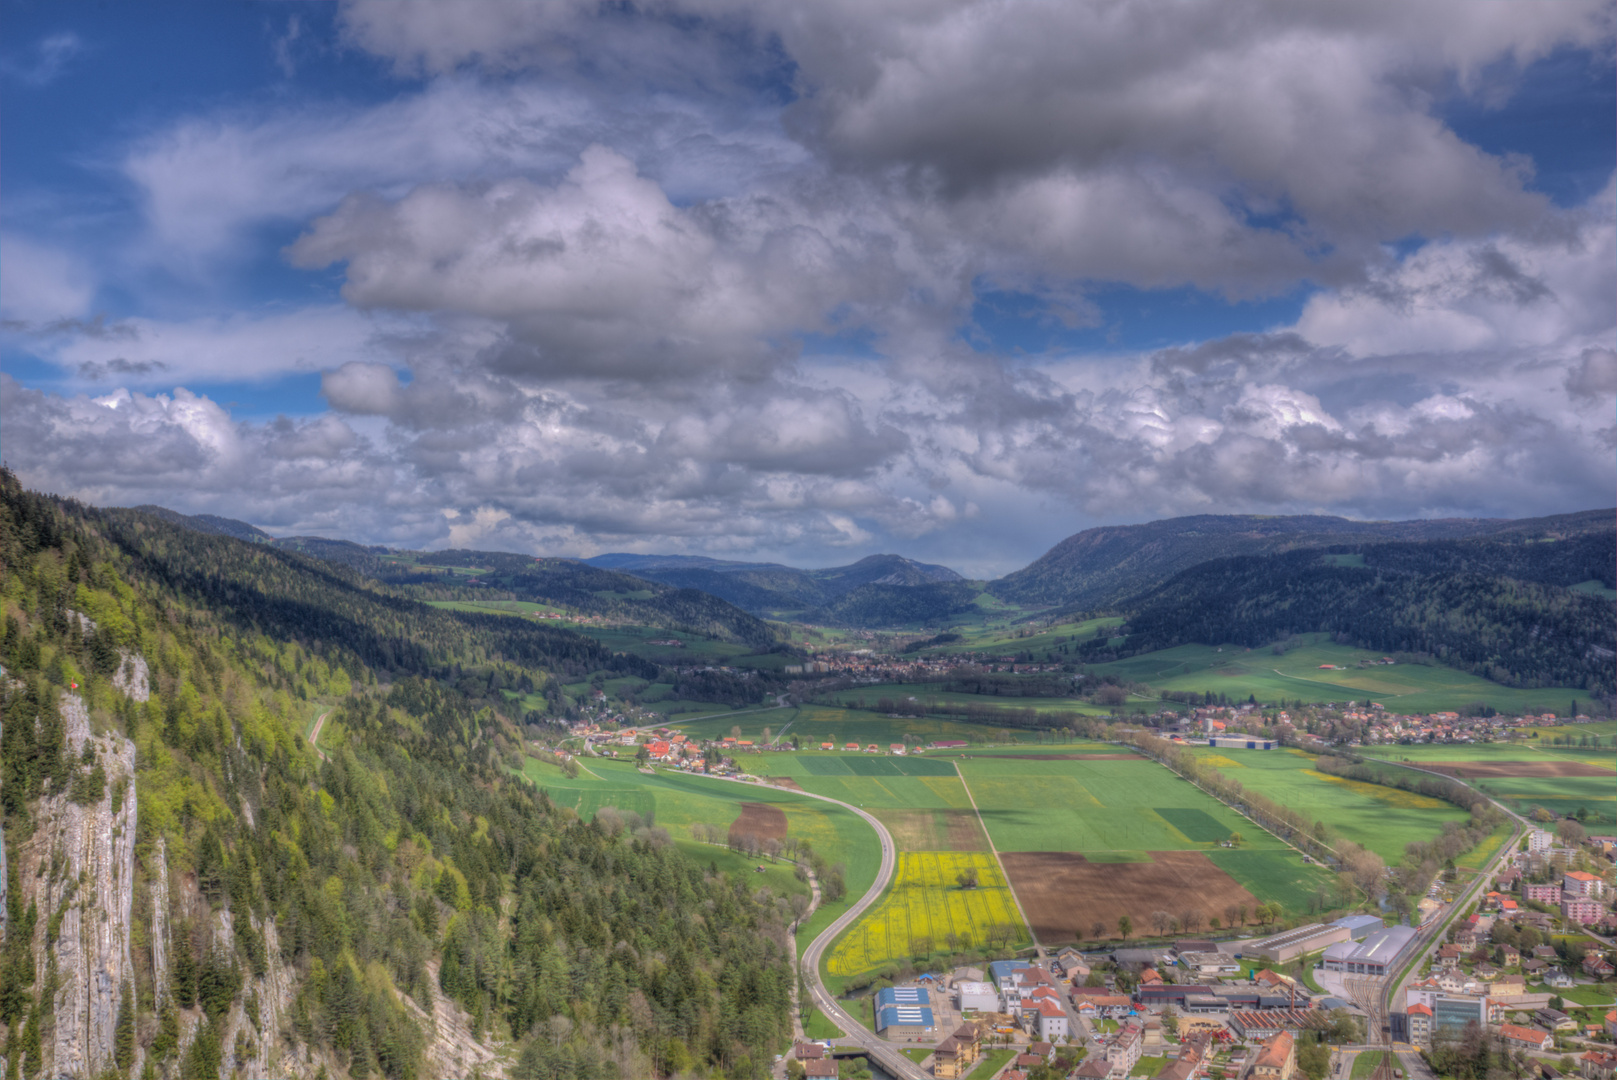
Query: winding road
(882,1052)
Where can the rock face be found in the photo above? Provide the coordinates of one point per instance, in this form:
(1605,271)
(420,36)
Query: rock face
(80,866)
(133,678)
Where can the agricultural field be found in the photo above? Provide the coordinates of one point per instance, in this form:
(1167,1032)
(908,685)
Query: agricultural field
(1045,646)
(1380,818)
(933,692)
(922,802)
(1087,837)
(1560,780)
(1299,675)
(926,910)
(816,724)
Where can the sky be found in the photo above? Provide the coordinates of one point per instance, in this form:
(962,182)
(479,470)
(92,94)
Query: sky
(774,281)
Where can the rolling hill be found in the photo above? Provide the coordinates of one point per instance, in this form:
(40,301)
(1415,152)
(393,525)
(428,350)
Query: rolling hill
(1101,567)
(773,589)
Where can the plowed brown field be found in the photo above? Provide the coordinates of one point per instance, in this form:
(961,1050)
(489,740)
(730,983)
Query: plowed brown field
(1064,894)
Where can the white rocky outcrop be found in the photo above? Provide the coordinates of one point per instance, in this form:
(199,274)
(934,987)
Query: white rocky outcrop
(80,866)
(133,678)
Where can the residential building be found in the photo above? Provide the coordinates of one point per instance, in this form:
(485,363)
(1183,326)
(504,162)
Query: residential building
(822,1069)
(1598,1065)
(1277,1059)
(956,1055)
(1582,910)
(1583,884)
(1526,1038)
(1124,1052)
(1420,1025)
(1539,842)
(1543,894)
(1049,1020)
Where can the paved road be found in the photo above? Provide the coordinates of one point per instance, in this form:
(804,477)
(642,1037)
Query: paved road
(882,1052)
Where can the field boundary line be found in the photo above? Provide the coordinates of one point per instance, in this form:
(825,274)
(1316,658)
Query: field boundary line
(1020,910)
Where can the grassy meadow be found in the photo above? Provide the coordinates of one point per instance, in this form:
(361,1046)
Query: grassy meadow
(1298,675)
(1380,818)
(1597,795)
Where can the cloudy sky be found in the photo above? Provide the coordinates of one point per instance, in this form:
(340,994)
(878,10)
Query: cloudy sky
(805,282)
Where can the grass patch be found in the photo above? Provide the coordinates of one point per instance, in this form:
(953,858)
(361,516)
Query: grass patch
(992,1061)
(817,1026)
(1366,1063)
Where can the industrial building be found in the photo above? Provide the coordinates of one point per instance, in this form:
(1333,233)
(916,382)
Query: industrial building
(903,1012)
(1285,947)
(1241,742)
(980,996)
(1360,927)
(1451,1012)
(1375,956)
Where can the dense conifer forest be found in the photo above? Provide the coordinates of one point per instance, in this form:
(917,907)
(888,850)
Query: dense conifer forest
(1501,610)
(409,861)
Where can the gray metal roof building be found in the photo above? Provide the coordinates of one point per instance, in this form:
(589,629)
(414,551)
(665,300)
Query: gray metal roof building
(1360,926)
(1376,955)
(1284,947)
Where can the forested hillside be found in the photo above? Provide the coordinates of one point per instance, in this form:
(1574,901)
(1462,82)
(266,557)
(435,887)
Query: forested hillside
(190,891)
(898,605)
(772,589)
(1497,609)
(1103,566)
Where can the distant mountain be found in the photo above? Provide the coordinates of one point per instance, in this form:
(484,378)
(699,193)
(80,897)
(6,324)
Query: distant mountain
(882,605)
(564,582)
(1100,567)
(1498,606)
(209,523)
(773,589)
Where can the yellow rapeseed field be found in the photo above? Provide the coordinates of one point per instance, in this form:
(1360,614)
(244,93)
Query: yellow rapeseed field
(1392,796)
(925,906)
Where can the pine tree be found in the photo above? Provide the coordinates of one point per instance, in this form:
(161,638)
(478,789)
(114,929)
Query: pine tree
(123,1032)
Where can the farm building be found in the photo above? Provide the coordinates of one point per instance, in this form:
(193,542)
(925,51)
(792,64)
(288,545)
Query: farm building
(1360,927)
(977,995)
(1374,956)
(903,1012)
(1241,742)
(1285,947)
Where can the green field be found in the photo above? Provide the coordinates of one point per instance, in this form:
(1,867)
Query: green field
(1120,811)
(933,692)
(815,724)
(1558,794)
(1240,673)
(1380,818)
(676,801)
(1043,645)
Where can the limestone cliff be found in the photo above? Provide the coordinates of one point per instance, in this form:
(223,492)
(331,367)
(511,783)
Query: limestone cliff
(78,867)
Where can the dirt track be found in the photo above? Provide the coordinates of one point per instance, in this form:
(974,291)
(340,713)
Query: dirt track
(1065,894)
(762,820)
(1499,770)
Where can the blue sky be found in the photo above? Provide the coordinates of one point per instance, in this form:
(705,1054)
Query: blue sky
(730,278)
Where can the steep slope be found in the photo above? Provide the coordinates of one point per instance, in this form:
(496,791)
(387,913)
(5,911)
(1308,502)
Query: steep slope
(210,523)
(192,892)
(1099,567)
